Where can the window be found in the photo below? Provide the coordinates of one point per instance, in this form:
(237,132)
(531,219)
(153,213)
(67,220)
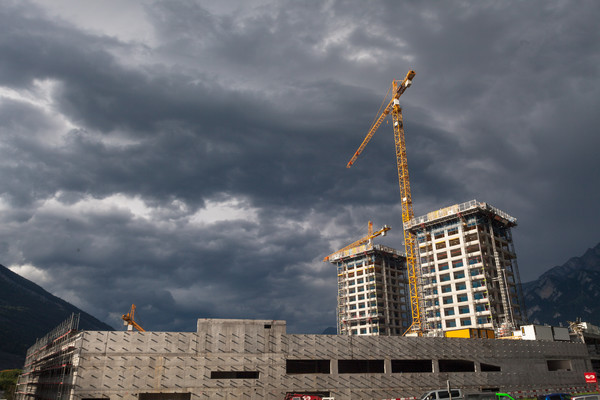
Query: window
(456,366)
(446,289)
(307,367)
(445,395)
(559,365)
(479,295)
(399,366)
(461,297)
(451,323)
(439,235)
(442,255)
(463,309)
(360,366)
(474,260)
(459,274)
(452,231)
(233,374)
(444,278)
(454,242)
(457,264)
(162,396)
(443,266)
(470,237)
(465,322)
(490,368)
(448,311)
(440,245)
(447,300)
(473,248)
(481,307)
(461,286)
(455,252)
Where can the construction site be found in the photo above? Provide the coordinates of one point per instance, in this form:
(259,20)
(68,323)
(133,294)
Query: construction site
(447,311)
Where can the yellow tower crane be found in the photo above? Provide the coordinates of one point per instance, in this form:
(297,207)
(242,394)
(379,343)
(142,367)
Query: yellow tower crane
(130,322)
(393,107)
(370,235)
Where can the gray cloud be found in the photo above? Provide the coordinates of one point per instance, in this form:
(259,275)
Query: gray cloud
(202,173)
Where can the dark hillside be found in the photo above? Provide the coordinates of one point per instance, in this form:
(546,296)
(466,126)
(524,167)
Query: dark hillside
(28,312)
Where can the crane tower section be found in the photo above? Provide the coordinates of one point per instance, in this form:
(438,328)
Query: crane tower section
(393,107)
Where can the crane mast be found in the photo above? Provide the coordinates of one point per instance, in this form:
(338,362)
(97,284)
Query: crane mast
(393,107)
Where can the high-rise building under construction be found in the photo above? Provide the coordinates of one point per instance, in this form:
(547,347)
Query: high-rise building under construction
(469,277)
(372,291)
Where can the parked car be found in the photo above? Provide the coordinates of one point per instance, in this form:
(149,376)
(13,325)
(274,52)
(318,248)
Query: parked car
(555,396)
(443,394)
(586,397)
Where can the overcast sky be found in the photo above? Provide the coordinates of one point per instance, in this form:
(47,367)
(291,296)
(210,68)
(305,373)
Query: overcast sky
(190,156)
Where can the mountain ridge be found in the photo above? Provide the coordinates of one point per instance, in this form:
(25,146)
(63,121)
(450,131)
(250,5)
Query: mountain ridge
(566,292)
(29,312)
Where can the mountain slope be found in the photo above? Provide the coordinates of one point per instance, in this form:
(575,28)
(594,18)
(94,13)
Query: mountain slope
(566,292)
(28,312)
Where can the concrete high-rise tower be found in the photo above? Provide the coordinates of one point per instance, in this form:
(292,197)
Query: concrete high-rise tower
(469,275)
(372,291)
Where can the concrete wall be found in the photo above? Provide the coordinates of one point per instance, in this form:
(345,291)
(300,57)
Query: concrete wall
(121,365)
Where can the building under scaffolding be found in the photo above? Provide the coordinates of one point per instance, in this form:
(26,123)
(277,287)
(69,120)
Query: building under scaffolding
(469,272)
(372,287)
(48,371)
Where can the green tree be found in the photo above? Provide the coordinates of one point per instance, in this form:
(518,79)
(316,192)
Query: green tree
(8,382)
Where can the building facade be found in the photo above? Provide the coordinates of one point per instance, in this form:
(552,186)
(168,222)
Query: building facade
(257,359)
(468,266)
(372,291)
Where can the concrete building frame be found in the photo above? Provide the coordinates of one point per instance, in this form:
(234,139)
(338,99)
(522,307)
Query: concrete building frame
(469,276)
(372,291)
(257,359)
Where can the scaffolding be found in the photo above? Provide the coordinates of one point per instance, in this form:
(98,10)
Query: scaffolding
(48,373)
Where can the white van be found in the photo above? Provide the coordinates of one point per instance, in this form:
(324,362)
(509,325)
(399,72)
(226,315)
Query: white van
(443,394)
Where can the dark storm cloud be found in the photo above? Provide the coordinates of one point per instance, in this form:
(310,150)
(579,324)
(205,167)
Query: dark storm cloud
(203,174)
